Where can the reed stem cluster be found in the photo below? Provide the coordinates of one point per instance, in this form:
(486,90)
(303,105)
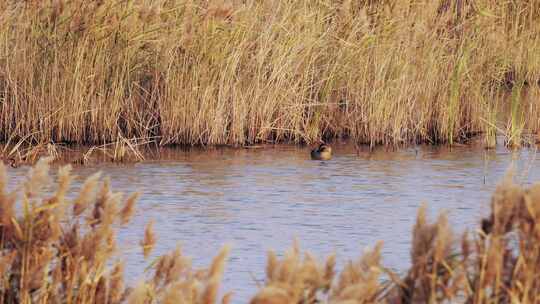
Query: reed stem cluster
(233,72)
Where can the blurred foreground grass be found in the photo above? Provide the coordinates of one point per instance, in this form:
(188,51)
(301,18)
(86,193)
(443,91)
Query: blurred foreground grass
(55,250)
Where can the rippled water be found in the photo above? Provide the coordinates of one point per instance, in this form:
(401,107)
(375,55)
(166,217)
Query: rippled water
(262,199)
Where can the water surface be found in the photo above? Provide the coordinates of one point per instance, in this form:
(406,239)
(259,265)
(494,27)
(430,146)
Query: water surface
(260,199)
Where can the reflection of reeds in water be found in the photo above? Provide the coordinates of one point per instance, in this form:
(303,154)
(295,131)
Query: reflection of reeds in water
(120,151)
(62,251)
(238,72)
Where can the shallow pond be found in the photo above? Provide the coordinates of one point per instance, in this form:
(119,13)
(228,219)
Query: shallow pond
(261,199)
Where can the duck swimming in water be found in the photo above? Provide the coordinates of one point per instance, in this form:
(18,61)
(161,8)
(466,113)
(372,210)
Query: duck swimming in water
(323,152)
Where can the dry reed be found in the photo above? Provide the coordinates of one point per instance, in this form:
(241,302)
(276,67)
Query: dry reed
(239,72)
(500,264)
(55,250)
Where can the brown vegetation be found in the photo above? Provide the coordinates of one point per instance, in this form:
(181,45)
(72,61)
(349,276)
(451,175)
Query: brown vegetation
(239,72)
(498,264)
(55,250)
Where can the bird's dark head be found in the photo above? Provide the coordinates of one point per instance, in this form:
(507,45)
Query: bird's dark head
(324,148)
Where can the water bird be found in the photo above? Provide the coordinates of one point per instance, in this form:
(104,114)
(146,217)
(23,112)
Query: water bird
(323,152)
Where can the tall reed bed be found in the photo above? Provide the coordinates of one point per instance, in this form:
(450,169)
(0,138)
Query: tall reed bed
(238,72)
(58,250)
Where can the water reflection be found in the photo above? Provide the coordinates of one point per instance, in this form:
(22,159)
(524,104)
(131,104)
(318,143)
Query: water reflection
(262,199)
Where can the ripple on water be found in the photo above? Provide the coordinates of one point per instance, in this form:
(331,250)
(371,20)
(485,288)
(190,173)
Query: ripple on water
(263,199)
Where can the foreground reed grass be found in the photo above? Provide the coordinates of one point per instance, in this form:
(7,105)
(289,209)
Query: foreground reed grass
(238,72)
(499,263)
(55,250)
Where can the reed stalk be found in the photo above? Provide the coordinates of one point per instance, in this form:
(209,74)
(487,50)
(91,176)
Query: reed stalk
(231,72)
